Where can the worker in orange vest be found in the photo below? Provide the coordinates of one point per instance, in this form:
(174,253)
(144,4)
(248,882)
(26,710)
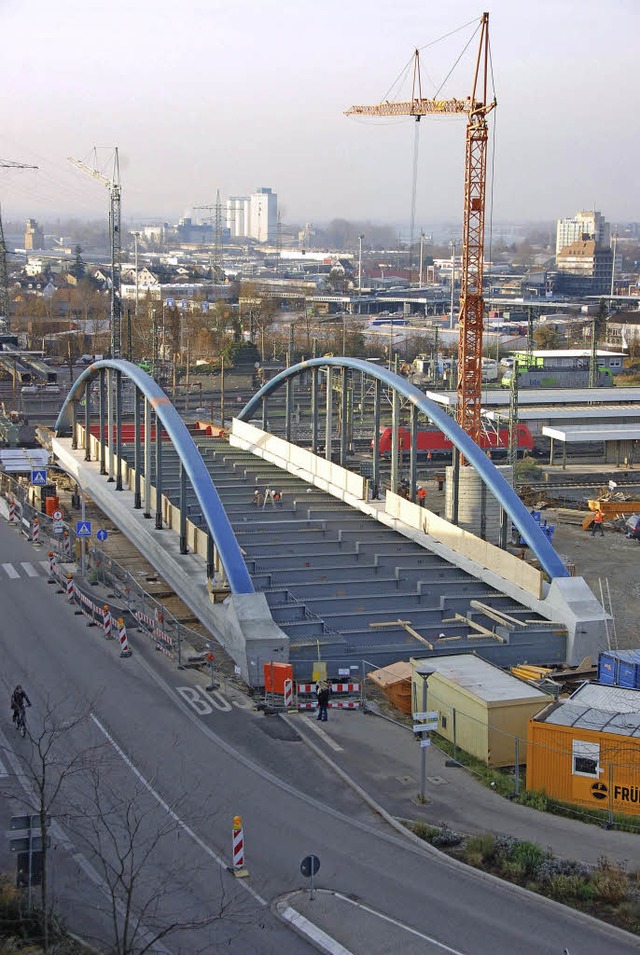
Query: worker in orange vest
(597,524)
(421,494)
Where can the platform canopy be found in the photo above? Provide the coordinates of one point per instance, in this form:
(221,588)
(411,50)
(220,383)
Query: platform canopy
(591,434)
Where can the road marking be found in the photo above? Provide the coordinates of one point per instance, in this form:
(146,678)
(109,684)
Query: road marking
(10,570)
(29,569)
(45,565)
(4,772)
(172,814)
(219,701)
(405,928)
(310,724)
(328,944)
(191,695)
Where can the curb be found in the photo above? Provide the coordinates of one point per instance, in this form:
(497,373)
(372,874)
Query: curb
(427,848)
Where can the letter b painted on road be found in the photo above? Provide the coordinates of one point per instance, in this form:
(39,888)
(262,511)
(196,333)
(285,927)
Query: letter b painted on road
(192,696)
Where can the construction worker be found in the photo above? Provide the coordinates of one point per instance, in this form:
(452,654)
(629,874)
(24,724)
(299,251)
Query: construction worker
(597,524)
(421,494)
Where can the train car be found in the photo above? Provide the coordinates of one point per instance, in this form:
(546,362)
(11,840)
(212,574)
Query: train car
(435,443)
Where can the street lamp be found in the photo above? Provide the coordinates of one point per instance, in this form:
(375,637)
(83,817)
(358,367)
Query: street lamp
(360,238)
(425,741)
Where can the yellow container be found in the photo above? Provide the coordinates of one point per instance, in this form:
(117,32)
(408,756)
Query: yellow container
(319,672)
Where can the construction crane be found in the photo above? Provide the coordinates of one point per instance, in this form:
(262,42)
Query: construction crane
(476,108)
(115,196)
(4,274)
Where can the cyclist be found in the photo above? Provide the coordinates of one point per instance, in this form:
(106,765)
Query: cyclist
(18,700)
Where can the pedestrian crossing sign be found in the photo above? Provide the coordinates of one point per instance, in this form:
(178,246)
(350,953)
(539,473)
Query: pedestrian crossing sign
(39,477)
(83,528)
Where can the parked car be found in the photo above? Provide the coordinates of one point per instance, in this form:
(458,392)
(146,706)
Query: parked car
(633,527)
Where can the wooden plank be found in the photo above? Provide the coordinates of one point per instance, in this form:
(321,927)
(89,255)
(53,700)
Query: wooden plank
(389,623)
(414,633)
(503,618)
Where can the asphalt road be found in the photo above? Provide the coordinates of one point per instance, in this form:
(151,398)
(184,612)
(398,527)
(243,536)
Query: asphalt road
(162,767)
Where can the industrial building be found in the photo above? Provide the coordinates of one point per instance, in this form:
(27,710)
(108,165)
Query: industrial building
(586,750)
(481,708)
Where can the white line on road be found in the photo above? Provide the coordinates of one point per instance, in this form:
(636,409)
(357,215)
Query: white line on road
(45,565)
(10,571)
(170,812)
(4,772)
(405,928)
(326,943)
(309,722)
(29,569)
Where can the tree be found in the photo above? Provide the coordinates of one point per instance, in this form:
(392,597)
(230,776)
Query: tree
(546,337)
(45,769)
(78,269)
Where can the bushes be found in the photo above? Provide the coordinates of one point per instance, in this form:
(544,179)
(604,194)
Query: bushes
(606,890)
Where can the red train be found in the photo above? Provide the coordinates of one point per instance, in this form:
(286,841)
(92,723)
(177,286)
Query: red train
(439,445)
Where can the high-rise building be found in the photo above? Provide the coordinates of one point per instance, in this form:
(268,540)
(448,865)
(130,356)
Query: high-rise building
(254,216)
(584,227)
(33,236)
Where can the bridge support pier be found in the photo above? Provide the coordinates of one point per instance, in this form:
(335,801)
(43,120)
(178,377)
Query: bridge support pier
(103,446)
(158,474)
(137,502)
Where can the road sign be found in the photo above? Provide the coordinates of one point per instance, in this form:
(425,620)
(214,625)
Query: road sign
(310,866)
(57,515)
(428,715)
(24,843)
(83,528)
(26,822)
(425,742)
(39,477)
(102,535)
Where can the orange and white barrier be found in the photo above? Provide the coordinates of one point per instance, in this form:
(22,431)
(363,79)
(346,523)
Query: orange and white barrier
(239,869)
(52,565)
(125,649)
(106,621)
(35,532)
(12,511)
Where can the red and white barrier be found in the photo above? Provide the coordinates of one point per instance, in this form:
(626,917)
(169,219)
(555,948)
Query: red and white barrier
(125,649)
(69,587)
(35,532)
(288,694)
(66,544)
(335,687)
(106,621)
(12,511)
(52,565)
(239,869)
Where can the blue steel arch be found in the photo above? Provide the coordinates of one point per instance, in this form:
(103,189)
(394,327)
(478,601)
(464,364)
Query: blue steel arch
(504,493)
(203,486)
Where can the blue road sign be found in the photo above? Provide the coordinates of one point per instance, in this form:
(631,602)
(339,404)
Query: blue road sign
(39,476)
(102,535)
(83,528)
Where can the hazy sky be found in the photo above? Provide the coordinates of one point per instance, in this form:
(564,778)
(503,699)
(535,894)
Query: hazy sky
(203,95)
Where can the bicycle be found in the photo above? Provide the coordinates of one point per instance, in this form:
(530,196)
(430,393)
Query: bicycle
(21,722)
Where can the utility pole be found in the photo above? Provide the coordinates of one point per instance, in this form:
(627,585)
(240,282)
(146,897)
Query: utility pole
(421,267)
(217,262)
(360,238)
(614,239)
(115,195)
(513,419)
(4,274)
(452,246)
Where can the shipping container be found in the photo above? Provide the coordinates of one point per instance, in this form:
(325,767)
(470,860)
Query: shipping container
(619,668)
(586,751)
(481,708)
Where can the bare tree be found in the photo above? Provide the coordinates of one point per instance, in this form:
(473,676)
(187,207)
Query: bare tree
(136,847)
(45,768)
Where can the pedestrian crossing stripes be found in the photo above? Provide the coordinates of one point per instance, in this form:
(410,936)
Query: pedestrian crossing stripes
(24,569)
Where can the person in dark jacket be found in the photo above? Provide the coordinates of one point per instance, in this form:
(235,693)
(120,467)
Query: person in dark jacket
(18,700)
(323,692)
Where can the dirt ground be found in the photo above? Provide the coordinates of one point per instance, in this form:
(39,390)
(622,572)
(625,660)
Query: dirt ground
(613,561)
